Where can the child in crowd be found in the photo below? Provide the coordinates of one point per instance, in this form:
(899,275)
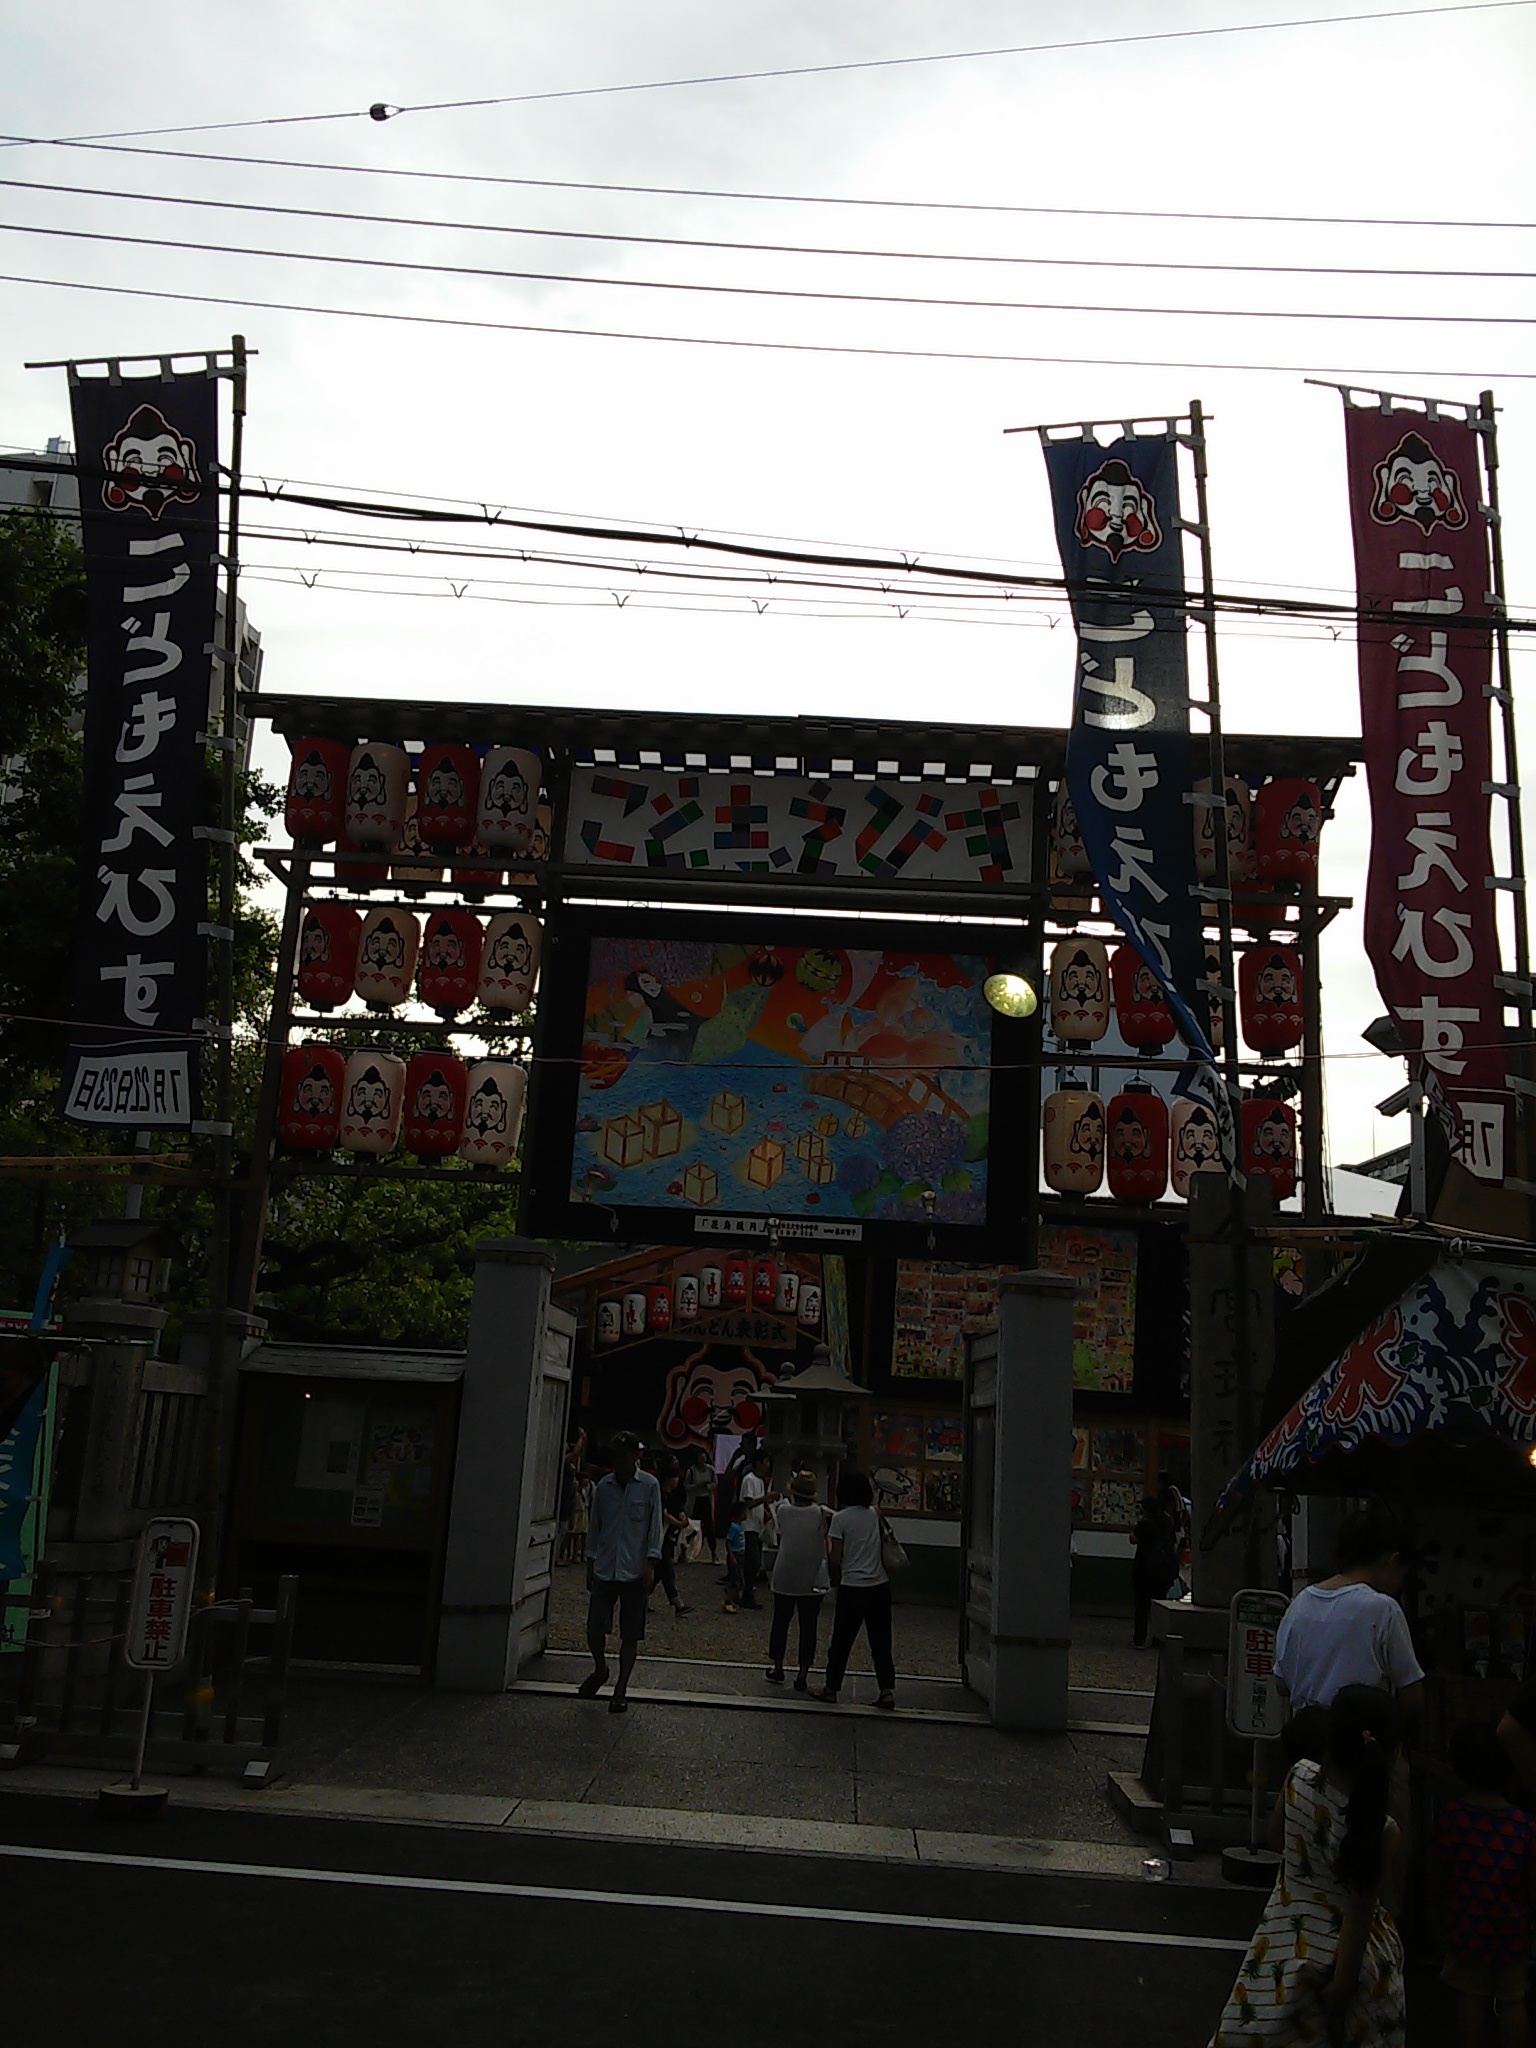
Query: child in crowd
(1485,1866)
(735,1560)
(1325,1962)
(581,1516)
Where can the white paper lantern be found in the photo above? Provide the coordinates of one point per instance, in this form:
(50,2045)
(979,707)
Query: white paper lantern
(372,1091)
(509,799)
(493,1116)
(509,962)
(378,786)
(386,957)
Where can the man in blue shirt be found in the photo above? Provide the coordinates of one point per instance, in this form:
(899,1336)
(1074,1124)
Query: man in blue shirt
(623,1546)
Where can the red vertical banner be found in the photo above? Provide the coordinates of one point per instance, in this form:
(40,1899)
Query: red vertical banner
(1422,570)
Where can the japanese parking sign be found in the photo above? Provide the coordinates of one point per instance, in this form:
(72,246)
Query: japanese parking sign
(1255,1708)
(161,1603)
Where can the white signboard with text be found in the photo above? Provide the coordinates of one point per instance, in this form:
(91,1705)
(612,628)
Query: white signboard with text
(1255,1707)
(161,1603)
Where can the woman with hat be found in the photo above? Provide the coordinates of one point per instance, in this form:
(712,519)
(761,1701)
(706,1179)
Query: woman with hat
(800,1578)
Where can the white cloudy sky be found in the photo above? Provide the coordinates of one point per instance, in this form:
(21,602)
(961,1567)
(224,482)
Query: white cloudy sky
(1390,118)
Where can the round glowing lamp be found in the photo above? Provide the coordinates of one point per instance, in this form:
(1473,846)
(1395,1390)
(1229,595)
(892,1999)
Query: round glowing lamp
(1010,995)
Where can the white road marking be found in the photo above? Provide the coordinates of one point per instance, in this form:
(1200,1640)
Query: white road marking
(750,1909)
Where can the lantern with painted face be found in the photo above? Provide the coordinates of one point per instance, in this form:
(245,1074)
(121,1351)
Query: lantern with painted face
(1269,996)
(1287,826)
(1080,990)
(1067,846)
(609,1322)
(509,961)
(1196,1143)
(735,1289)
(1269,1144)
(447,795)
(1073,1123)
(765,1283)
(658,1306)
(386,957)
(1239,845)
(329,939)
(436,1089)
(316,803)
(450,961)
(687,1297)
(1137,1145)
(373,1088)
(493,1115)
(355,867)
(808,1310)
(378,780)
(1145,1021)
(509,800)
(309,1102)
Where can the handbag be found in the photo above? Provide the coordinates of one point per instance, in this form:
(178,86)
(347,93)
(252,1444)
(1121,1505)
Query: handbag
(892,1553)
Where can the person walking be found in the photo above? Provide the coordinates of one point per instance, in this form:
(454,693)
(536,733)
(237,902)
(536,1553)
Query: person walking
(863,1589)
(1485,1869)
(623,1550)
(674,1526)
(1325,1963)
(698,1491)
(1154,1567)
(800,1579)
(753,1499)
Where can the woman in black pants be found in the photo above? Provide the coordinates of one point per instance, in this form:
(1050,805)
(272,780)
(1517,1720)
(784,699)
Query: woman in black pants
(1154,1567)
(863,1589)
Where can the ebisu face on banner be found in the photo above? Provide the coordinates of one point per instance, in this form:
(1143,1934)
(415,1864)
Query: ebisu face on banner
(149,512)
(832,1083)
(1128,770)
(1422,567)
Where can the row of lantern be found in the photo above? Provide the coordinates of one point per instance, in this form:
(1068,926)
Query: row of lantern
(1135,1140)
(362,795)
(764,1282)
(1085,978)
(1271,837)
(457,961)
(367,1101)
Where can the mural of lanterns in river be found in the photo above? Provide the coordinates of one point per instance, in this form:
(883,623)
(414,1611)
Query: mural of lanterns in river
(450,961)
(1136,1143)
(316,803)
(1269,997)
(1287,827)
(1269,1144)
(378,782)
(373,1090)
(436,1089)
(493,1115)
(1145,1021)
(386,957)
(1195,1143)
(309,1097)
(1073,1123)
(329,939)
(1080,990)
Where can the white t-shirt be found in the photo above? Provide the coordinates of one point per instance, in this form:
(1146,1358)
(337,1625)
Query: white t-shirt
(802,1563)
(750,1493)
(1346,1635)
(859,1529)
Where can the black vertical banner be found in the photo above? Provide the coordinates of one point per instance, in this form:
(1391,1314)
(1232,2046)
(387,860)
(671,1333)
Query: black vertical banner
(148,455)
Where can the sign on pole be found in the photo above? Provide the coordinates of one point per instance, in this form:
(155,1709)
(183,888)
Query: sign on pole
(161,1603)
(1255,1708)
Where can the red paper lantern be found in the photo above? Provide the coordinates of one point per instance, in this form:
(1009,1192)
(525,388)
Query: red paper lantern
(1196,1143)
(735,1282)
(1066,838)
(765,1284)
(1073,1121)
(328,941)
(658,1307)
(450,960)
(317,790)
(386,959)
(1146,1022)
(372,1091)
(1080,990)
(1137,1145)
(1269,1144)
(447,795)
(309,1102)
(1239,849)
(1269,997)
(1287,824)
(436,1089)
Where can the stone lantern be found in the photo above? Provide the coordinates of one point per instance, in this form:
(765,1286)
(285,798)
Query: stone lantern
(815,1422)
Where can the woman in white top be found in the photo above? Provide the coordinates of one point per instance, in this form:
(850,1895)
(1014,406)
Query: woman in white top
(800,1578)
(863,1589)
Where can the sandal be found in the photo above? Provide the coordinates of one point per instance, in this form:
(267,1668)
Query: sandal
(591,1685)
(776,1675)
(887,1702)
(827,1699)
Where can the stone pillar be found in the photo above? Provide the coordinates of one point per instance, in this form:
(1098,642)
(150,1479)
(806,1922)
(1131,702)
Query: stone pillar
(1231,1353)
(489,1513)
(1032,1512)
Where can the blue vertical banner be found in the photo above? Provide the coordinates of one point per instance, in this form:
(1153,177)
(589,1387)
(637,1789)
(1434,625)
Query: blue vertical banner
(18,1464)
(1128,760)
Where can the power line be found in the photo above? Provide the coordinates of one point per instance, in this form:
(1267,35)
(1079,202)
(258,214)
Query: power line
(816,348)
(757,291)
(1314,220)
(396,220)
(382,111)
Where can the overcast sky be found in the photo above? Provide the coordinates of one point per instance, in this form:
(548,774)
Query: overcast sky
(1392,118)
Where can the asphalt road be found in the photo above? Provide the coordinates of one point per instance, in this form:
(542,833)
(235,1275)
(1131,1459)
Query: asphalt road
(232,1929)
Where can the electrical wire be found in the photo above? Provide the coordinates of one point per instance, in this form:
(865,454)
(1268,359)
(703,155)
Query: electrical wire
(760,291)
(381,110)
(815,348)
(979,206)
(396,220)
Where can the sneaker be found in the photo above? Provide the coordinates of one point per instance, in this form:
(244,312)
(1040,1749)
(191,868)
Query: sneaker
(682,1608)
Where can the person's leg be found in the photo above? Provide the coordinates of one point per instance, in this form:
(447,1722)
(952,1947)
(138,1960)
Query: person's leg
(877,1628)
(1141,1597)
(752,1568)
(809,1606)
(778,1632)
(599,1618)
(846,1619)
(1512,2023)
(633,1595)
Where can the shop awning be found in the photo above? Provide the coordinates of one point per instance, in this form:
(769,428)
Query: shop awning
(1454,1358)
